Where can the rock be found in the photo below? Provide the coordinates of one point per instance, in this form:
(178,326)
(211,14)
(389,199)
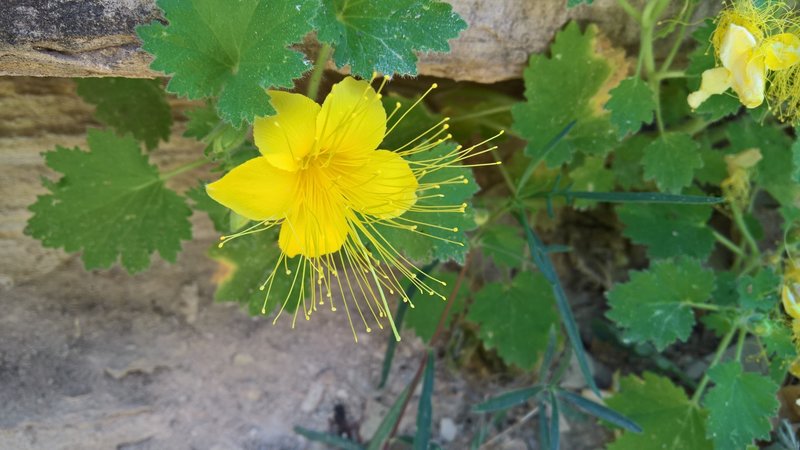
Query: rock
(313,397)
(66,38)
(447,429)
(190,302)
(243,359)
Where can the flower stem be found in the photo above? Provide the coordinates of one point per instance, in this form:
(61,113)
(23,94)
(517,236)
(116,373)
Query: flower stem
(739,220)
(319,67)
(184,168)
(726,341)
(740,343)
(630,10)
(727,243)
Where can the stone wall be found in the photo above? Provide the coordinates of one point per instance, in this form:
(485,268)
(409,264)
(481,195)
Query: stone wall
(67,38)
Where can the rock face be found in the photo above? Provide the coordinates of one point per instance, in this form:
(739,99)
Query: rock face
(67,38)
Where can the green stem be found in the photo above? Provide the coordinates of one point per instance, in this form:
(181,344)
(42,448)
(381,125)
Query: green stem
(630,10)
(684,18)
(726,341)
(319,67)
(740,343)
(727,243)
(739,220)
(184,168)
(703,306)
(506,176)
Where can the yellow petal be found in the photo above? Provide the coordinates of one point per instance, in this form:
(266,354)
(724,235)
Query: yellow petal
(352,119)
(748,71)
(384,187)
(256,189)
(315,228)
(749,82)
(736,47)
(781,51)
(285,138)
(715,81)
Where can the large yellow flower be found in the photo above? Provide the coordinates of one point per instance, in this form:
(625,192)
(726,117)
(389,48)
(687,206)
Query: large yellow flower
(323,180)
(320,170)
(750,43)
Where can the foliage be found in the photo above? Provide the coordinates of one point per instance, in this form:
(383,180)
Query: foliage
(514,318)
(134,106)
(383,36)
(657,305)
(111,204)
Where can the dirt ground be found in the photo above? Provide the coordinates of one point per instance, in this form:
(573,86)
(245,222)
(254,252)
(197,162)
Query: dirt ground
(104,360)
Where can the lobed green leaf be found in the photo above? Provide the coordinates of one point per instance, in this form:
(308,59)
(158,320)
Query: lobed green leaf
(111,204)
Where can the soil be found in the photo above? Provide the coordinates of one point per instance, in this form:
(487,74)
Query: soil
(105,360)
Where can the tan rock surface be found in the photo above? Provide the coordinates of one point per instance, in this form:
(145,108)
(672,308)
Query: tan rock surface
(96,38)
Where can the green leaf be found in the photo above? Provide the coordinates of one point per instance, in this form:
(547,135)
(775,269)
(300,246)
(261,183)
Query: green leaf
(627,162)
(600,411)
(514,318)
(701,59)
(562,88)
(508,400)
(111,204)
(740,406)
(202,121)
(774,172)
(424,316)
(714,168)
(219,215)
(671,161)
(591,176)
(796,159)
(383,36)
(669,420)
(135,106)
(778,342)
(234,52)
(632,103)
(655,304)
(389,421)
(759,293)
(504,245)
(574,3)
(425,408)
(669,230)
(245,263)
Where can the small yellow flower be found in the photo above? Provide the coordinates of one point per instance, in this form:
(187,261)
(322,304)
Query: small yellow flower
(736,187)
(754,44)
(323,180)
(790,293)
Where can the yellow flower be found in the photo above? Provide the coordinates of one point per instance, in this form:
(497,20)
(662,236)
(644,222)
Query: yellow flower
(753,45)
(790,292)
(323,180)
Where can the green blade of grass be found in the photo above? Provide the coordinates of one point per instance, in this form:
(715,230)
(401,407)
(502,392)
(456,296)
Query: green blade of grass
(387,424)
(600,411)
(542,260)
(508,400)
(425,409)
